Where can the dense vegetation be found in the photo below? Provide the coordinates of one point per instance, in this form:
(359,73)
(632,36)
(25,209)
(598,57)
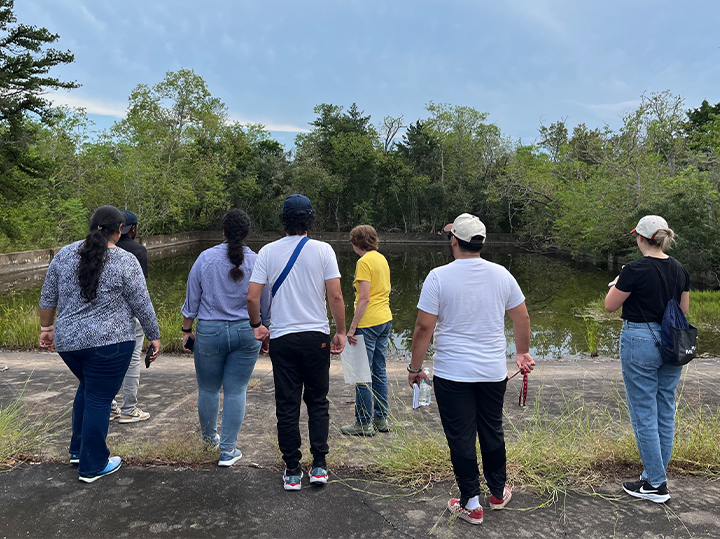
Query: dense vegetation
(179,163)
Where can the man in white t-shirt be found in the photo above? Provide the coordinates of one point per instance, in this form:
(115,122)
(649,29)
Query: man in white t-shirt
(464,304)
(300,272)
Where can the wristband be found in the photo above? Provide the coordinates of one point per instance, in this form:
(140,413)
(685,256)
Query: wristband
(255,326)
(413,371)
(47,328)
(186,330)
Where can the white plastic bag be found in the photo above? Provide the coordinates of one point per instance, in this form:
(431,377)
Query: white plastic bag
(355,363)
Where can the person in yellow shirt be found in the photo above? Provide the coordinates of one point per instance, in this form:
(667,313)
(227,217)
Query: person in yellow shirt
(373,320)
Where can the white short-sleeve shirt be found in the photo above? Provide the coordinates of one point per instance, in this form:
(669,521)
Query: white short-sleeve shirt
(470,297)
(299,304)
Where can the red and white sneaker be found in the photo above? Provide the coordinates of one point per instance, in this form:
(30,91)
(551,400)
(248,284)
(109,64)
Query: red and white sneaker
(318,476)
(473,517)
(497,503)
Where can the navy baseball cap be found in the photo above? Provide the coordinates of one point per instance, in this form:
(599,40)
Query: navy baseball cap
(297,203)
(130,220)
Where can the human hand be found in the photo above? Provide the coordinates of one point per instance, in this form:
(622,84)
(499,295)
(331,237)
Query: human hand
(351,336)
(156,349)
(338,344)
(261,333)
(185,338)
(525,362)
(47,340)
(417,377)
(265,347)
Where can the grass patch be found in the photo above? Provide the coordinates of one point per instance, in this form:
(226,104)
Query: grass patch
(182,449)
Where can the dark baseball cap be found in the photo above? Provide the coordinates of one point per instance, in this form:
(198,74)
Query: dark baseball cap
(130,220)
(297,203)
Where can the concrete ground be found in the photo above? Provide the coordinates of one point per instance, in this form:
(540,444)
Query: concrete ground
(247,500)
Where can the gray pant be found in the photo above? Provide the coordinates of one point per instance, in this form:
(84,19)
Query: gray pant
(131,383)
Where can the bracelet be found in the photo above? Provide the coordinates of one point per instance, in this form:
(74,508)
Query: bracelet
(47,328)
(255,326)
(413,371)
(186,330)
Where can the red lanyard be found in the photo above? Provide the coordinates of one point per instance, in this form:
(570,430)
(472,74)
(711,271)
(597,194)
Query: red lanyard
(523,394)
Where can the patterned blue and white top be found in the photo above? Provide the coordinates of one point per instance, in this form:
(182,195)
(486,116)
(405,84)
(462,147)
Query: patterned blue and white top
(122,295)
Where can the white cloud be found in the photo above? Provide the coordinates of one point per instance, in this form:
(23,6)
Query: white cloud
(116,109)
(607,109)
(540,12)
(270,125)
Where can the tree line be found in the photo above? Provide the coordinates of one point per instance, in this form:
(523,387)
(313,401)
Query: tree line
(180,163)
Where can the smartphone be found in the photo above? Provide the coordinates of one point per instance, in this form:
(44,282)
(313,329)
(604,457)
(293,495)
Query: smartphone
(190,343)
(148,355)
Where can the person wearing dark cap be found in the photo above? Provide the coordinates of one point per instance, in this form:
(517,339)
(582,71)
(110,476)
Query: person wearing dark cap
(128,411)
(464,303)
(300,273)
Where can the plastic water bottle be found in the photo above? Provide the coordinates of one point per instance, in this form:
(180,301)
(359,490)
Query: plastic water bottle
(425,390)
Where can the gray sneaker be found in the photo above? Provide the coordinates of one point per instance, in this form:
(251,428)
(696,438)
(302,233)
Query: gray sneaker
(381,424)
(358,430)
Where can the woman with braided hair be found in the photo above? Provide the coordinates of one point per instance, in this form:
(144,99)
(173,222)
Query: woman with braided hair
(97,290)
(225,348)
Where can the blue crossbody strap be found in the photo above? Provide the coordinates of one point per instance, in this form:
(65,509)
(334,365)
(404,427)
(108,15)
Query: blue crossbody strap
(289,265)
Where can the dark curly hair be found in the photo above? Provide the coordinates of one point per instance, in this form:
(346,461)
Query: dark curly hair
(104,223)
(236,227)
(297,223)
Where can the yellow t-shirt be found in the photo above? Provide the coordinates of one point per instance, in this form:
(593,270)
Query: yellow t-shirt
(373,267)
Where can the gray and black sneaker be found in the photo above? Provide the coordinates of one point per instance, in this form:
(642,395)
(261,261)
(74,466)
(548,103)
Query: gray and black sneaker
(381,424)
(643,489)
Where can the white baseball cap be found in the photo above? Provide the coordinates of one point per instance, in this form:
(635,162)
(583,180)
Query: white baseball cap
(466,226)
(648,225)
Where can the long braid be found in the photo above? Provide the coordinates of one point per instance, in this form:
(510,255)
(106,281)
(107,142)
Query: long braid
(236,226)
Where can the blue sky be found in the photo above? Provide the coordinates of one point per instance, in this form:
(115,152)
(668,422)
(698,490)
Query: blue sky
(525,62)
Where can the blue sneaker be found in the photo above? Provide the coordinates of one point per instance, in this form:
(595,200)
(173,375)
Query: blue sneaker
(112,466)
(292,482)
(318,476)
(228,458)
(74,458)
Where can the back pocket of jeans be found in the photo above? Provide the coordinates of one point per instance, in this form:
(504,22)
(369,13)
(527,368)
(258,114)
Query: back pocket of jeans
(644,352)
(207,343)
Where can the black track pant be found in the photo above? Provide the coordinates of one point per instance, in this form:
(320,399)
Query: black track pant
(467,408)
(301,360)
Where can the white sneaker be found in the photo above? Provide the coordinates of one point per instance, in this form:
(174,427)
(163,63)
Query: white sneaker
(133,417)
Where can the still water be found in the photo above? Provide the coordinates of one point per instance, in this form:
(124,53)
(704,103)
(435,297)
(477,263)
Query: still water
(557,292)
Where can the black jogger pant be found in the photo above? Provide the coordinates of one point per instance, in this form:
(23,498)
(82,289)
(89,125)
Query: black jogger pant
(467,408)
(301,360)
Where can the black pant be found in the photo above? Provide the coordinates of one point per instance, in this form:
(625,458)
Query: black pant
(301,359)
(466,408)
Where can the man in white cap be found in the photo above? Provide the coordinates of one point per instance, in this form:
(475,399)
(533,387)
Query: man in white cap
(464,304)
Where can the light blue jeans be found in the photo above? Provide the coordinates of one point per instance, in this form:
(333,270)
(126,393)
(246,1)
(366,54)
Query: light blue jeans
(650,391)
(375,394)
(225,356)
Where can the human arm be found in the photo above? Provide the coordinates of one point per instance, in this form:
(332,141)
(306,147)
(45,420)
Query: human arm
(615,299)
(361,307)
(254,296)
(685,302)
(422,335)
(137,297)
(47,330)
(187,324)
(337,308)
(521,329)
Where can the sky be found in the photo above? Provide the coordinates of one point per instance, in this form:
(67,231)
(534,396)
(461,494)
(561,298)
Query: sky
(525,62)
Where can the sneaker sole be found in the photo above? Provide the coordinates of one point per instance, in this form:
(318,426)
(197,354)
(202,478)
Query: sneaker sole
(95,478)
(463,516)
(657,498)
(132,419)
(288,486)
(315,480)
(74,461)
(366,434)
(229,462)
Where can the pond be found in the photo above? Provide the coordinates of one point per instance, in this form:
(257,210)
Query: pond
(558,292)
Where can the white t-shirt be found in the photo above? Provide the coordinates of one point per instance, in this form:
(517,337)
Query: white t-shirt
(470,297)
(299,304)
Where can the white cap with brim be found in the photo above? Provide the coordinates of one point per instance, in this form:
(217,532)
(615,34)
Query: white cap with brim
(648,225)
(467,226)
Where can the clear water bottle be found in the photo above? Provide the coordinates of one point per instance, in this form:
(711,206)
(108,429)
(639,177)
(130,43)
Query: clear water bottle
(425,390)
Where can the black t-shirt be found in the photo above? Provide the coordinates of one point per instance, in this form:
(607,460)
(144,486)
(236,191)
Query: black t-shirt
(648,293)
(127,243)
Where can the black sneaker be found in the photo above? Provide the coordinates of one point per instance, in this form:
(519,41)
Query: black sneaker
(643,489)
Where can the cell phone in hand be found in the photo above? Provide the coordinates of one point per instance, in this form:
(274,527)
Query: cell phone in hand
(148,355)
(190,343)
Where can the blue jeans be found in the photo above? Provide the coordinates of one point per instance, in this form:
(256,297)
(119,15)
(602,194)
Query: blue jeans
(225,356)
(101,371)
(650,391)
(374,396)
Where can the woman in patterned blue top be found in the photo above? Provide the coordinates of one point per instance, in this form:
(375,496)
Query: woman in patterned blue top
(225,346)
(97,291)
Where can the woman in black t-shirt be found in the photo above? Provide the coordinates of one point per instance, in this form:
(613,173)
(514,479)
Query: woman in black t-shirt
(643,289)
